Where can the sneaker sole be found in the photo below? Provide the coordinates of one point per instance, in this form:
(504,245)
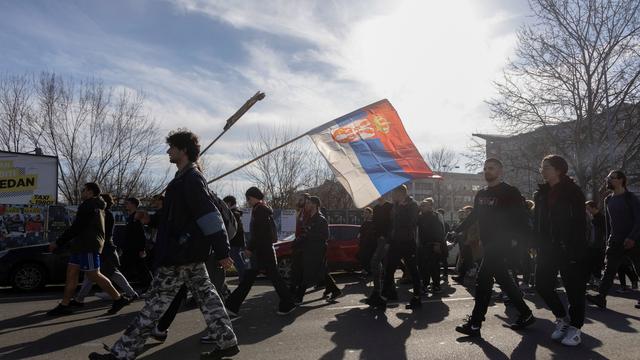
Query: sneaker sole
(222,354)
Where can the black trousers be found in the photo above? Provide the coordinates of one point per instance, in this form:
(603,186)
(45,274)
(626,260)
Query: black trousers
(627,270)
(595,262)
(429,264)
(574,279)
(614,258)
(398,252)
(466,260)
(237,297)
(494,266)
(132,264)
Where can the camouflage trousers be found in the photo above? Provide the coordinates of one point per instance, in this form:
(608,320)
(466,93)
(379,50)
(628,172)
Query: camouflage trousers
(164,288)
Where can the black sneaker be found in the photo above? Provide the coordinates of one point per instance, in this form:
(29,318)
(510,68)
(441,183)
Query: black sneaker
(335,294)
(159,335)
(218,354)
(376,301)
(118,305)
(469,328)
(414,304)
(74,303)
(598,300)
(60,310)
(286,309)
(390,297)
(523,321)
(436,290)
(96,356)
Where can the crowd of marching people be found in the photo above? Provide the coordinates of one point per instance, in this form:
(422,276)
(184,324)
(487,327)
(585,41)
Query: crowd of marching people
(523,245)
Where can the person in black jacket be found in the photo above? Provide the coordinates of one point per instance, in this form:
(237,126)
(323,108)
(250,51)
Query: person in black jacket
(597,242)
(367,239)
(86,237)
(263,257)
(403,246)
(622,214)
(312,248)
(382,230)
(238,241)
(110,261)
(190,230)
(500,212)
(561,237)
(134,246)
(430,244)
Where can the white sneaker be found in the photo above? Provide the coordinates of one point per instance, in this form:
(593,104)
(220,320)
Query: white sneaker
(573,337)
(561,330)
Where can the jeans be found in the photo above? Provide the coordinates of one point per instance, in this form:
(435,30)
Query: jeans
(615,257)
(377,263)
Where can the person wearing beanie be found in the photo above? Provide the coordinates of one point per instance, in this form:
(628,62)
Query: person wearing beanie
(262,256)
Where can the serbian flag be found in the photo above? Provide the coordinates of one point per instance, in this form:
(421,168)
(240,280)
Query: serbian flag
(370,152)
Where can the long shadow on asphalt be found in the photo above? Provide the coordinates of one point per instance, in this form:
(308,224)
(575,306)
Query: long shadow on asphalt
(35,319)
(381,340)
(69,337)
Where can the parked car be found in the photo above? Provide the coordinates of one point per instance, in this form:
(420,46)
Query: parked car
(342,249)
(32,267)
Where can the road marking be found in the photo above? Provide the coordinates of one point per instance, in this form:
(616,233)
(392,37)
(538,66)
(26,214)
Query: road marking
(424,302)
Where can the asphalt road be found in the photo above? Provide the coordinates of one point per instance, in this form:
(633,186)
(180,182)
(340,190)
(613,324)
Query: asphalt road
(320,330)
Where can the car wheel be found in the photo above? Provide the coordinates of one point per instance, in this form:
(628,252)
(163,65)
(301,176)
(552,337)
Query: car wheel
(28,276)
(284,266)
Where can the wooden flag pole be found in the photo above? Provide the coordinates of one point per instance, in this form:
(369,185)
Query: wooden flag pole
(258,158)
(235,117)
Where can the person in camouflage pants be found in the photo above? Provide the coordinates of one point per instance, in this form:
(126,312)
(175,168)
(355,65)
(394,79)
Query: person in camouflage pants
(191,231)
(165,286)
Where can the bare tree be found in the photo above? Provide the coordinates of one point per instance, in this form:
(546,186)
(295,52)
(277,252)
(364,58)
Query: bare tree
(281,174)
(475,155)
(442,159)
(574,80)
(95,137)
(16,114)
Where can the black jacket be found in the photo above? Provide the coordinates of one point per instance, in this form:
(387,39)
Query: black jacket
(560,219)
(367,234)
(430,228)
(189,226)
(262,234)
(404,222)
(599,237)
(86,233)
(382,219)
(313,244)
(135,239)
(238,240)
(501,214)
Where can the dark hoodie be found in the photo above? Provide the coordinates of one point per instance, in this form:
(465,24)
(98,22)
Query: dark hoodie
(560,221)
(86,233)
(404,222)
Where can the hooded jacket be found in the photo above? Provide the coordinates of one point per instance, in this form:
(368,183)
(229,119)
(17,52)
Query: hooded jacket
(560,222)
(404,222)
(86,233)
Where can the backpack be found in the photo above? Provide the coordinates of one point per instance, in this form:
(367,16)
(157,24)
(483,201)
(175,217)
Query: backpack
(229,219)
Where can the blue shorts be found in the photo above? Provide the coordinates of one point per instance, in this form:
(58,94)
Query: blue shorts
(86,261)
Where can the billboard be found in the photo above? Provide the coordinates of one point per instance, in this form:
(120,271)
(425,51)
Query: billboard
(27,179)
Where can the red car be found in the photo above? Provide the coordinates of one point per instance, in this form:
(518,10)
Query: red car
(342,249)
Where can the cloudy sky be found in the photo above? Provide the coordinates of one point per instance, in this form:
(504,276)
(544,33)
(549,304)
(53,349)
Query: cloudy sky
(198,60)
